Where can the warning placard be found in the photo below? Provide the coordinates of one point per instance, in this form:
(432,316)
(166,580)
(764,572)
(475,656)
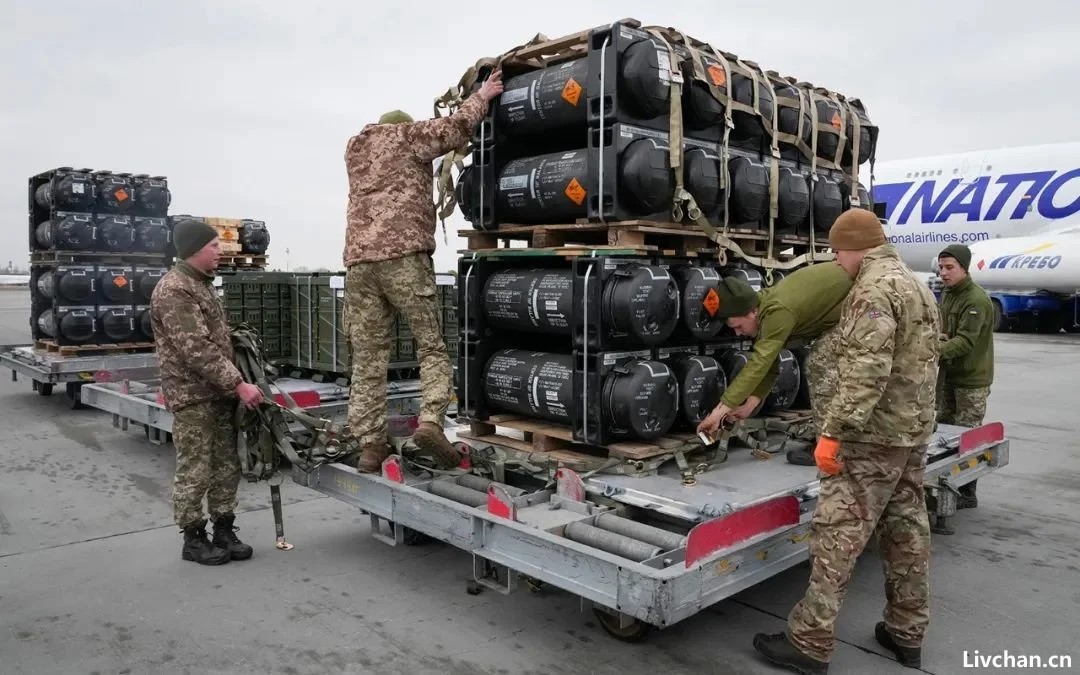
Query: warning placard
(716,73)
(575,192)
(120,282)
(711,302)
(571,92)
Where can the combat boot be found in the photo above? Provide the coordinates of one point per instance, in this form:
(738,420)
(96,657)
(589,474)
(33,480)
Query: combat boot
(429,437)
(197,546)
(778,650)
(905,656)
(803,456)
(225,538)
(371,458)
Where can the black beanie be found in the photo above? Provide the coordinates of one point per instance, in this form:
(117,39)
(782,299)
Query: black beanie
(960,252)
(736,298)
(190,235)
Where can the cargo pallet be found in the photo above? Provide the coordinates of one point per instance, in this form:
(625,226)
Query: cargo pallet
(738,524)
(243,261)
(47,368)
(640,237)
(93,349)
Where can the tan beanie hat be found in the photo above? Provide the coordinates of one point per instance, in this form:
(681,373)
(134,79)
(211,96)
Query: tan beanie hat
(855,230)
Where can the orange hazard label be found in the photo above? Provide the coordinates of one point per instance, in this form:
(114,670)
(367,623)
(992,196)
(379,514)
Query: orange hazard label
(711,302)
(717,75)
(571,92)
(119,282)
(575,192)
(121,195)
(836,121)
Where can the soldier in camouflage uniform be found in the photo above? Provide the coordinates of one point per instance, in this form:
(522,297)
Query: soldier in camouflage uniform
(804,306)
(200,385)
(871,454)
(967,350)
(389,241)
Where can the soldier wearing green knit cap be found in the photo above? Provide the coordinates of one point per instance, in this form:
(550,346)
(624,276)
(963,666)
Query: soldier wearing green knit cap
(967,351)
(802,308)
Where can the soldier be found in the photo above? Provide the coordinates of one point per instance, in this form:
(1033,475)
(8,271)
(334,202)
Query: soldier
(871,454)
(389,241)
(803,306)
(200,385)
(967,350)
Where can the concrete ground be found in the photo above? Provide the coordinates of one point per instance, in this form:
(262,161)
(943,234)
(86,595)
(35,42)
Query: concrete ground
(91,579)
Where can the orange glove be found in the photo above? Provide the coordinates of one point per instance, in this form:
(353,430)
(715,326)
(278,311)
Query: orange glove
(825,455)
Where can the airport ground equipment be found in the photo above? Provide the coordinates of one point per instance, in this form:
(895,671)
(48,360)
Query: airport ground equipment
(47,368)
(645,545)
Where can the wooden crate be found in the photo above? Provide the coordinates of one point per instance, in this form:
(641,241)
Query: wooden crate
(93,349)
(228,230)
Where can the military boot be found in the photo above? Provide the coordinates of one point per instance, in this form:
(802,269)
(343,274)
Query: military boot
(906,656)
(225,538)
(197,546)
(429,437)
(371,458)
(778,650)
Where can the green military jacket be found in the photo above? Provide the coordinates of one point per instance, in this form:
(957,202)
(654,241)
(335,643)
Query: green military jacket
(801,307)
(967,315)
(887,357)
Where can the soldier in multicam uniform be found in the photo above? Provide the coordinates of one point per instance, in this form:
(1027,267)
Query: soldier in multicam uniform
(389,242)
(200,385)
(967,350)
(804,306)
(871,454)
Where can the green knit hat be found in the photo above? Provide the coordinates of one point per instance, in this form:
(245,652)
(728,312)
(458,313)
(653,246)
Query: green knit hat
(395,117)
(960,252)
(190,235)
(736,298)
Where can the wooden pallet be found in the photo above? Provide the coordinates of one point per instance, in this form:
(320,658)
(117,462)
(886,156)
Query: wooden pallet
(556,50)
(557,441)
(243,261)
(93,350)
(652,236)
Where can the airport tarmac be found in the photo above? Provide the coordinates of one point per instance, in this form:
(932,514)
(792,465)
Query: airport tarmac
(91,580)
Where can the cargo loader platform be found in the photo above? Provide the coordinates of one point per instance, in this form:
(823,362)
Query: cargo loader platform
(646,551)
(47,368)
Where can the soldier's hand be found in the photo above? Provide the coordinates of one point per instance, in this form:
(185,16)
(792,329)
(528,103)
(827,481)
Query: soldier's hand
(250,395)
(825,456)
(493,86)
(711,424)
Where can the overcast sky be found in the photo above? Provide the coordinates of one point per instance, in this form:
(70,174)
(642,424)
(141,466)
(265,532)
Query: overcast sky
(246,106)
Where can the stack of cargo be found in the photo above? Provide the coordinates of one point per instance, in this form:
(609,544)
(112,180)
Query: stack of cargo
(243,241)
(299,319)
(628,345)
(584,134)
(99,244)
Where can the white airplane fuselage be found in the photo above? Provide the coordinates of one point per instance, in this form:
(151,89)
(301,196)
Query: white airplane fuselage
(978,196)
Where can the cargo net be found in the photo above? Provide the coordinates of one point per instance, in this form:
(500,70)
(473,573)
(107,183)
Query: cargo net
(829,130)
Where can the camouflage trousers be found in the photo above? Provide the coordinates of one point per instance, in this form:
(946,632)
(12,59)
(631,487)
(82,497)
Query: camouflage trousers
(962,406)
(207,465)
(877,492)
(822,377)
(374,293)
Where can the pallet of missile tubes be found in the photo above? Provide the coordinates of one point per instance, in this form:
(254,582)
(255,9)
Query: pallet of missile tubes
(602,215)
(584,147)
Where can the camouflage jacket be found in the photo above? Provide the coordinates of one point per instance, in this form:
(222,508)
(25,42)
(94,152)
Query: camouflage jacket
(192,337)
(391,212)
(887,357)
